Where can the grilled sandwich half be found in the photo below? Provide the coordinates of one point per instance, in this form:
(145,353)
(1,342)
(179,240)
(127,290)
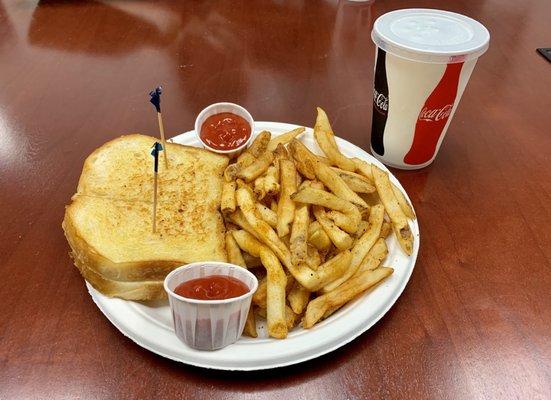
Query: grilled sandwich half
(109,222)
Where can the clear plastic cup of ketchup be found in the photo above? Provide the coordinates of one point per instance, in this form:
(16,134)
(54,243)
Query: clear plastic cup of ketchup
(209,302)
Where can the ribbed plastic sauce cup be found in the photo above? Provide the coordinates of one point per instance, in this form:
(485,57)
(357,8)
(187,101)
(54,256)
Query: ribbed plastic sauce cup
(209,324)
(224,107)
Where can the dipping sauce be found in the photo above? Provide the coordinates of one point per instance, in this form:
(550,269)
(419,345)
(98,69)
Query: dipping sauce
(225,131)
(213,287)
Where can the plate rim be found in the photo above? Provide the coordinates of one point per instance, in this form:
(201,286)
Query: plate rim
(345,337)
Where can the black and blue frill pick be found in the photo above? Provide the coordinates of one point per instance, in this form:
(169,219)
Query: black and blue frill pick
(156,98)
(157,147)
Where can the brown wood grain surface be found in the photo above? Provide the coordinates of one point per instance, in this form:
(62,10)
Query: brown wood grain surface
(473,322)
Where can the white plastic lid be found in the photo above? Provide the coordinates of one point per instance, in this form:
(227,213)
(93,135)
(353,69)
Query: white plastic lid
(431,36)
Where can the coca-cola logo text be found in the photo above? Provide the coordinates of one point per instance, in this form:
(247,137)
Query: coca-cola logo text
(435,114)
(380,101)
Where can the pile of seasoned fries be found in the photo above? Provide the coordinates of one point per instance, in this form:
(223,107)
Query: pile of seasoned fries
(316,225)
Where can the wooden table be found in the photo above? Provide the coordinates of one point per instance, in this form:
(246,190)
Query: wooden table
(473,322)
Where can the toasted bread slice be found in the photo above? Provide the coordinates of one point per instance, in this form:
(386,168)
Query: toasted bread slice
(123,169)
(109,222)
(137,290)
(114,237)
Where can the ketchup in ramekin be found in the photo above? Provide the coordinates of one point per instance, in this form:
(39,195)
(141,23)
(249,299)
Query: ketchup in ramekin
(225,131)
(210,324)
(224,128)
(212,287)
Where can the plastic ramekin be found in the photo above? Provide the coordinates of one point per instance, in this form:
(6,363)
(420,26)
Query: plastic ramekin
(218,108)
(209,324)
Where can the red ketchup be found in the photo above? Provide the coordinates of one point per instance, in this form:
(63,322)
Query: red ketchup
(225,131)
(213,287)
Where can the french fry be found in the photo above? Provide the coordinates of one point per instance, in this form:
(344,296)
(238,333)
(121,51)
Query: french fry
(313,184)
(340,239)
(326,140)
(242,184)
(362,227)
(299,235)
(248,157)
(342,221)
(250,324)
(397,217)
(276,282)
(405,238)
(239,219)
(331,310)
(298,298)
(259,297)
(317,237)
(271,180)
(386,228)
(365,169)
(361,246)
(298,178)
(259,187)
(281,153)
(343,294)
(315,280)
(245,159)
(371,261)
(257,168)
(273,205)
(291,318)
(313,227)
(324,160)
(247,242)
(228,203)
(301,154)
(356,182)
(351,215)
(404,204)
(332,269)
(267,215)
(290,283)
(233,251)
(286,206)
(314,259)
(261,229)
(335,183)
(259,144)
(230,173)
(284,138)
(374,257)
(275,297)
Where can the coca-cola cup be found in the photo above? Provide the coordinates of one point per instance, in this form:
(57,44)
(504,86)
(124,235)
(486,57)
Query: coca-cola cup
(424,59)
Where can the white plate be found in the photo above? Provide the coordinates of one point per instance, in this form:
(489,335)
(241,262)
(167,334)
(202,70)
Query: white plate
(150,324)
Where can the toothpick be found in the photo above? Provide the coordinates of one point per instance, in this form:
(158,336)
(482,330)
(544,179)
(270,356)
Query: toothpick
(155,202)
